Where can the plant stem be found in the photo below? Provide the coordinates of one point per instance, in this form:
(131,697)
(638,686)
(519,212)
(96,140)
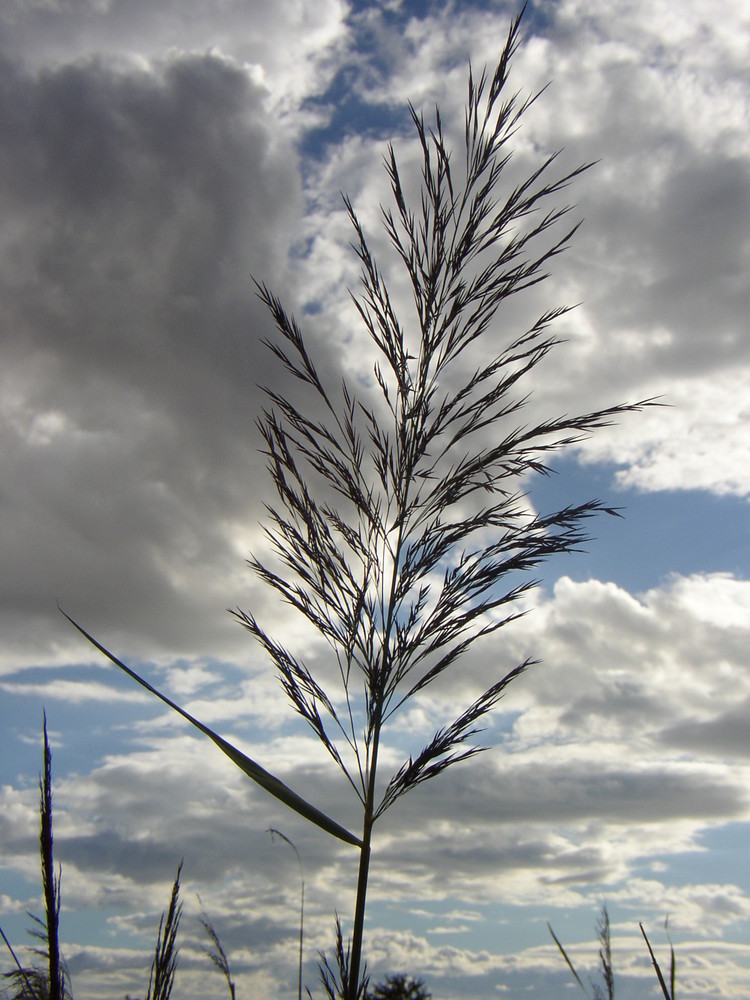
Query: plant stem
(359,913)
(364,871)
(377,710)
(50,883)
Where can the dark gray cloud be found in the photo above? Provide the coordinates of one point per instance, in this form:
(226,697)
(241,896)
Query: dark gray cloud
(727,735)
(680,270)
(138,203)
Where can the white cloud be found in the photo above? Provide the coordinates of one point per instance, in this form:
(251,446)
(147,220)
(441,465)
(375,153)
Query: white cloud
(161,184)
(291,48)
(699,443)
(74,692)
(594,782)
(662,260)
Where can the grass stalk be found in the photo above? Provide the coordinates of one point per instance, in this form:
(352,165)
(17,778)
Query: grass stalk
(603,932)
(568,961)
(605,960)
(668,993)
(278,833)
(353,985)
(50,881)
(218,956)
(49,983)
(21,975)
(164,962)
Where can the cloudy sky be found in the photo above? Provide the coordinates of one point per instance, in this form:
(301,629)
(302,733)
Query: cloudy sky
(153,157)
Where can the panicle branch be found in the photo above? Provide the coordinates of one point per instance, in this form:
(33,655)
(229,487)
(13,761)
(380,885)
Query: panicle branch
(401,527)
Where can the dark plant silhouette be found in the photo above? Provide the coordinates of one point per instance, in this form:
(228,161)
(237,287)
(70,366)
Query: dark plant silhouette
(605,960)
(50,881)
(399,987)
(164,962)
(218,956)
(51,981)
(48,983)
(400,530)
(374,501)
(668,991)
(335,974)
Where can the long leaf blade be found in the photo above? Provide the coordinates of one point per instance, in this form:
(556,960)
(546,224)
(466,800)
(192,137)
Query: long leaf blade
(564,954)
(254,771)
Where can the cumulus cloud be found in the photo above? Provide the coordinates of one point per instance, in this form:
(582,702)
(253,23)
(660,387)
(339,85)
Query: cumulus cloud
(290,47)
(661,262)
(70,691)
(138,209)
(139,194)
(626,665)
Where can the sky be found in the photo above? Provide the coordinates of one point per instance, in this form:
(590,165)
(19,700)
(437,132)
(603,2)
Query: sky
(155,158)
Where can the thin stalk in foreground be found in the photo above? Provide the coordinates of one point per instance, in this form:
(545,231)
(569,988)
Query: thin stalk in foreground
(20,973)
(218,956)
(36,983)
(50,881)
(668,994)
(293,846)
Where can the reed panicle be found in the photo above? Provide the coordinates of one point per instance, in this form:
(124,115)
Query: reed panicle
(377,501)
(218,956)
(50,982)
(400,529)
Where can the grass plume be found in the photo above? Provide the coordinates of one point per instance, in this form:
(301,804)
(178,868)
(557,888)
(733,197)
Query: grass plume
(607,991)
(400,530)
(49,983)
(164,962)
